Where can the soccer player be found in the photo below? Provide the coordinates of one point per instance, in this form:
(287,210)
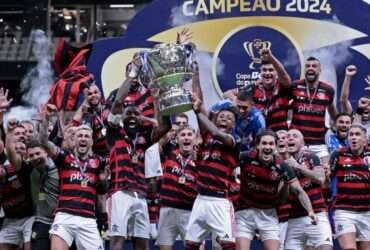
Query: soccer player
(15,194)
(284,206)
(261,174)
(91,112)
(127,206)
(351,165)
(301,226)
(82,174)
(178,188)
(310,99)
(213,212)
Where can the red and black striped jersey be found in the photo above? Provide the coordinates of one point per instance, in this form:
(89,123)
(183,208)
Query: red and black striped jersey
(15,192)
(152,200)
(309,107)
(215,164)
(353,179)
(313,190)
(274,105)
(283,212)
(178,183)
(234,192)
(142,99)
(126,160)
(78,182)
(260,183)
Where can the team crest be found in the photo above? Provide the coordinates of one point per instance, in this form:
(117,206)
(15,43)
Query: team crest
(367,161)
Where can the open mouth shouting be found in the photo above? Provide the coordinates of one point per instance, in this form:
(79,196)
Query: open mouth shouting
(83,146)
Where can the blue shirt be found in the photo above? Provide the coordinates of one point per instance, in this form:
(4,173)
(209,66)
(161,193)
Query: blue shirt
(333,142)
(247,128)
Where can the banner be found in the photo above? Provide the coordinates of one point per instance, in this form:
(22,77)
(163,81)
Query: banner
(229,34)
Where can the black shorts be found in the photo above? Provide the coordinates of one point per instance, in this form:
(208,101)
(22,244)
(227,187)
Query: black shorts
(40,236)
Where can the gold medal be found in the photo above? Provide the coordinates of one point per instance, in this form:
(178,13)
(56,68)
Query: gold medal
(182,179)
(41,196)
(84,183)
(135,159)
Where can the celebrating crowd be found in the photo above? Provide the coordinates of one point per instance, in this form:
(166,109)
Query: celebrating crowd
(260,164)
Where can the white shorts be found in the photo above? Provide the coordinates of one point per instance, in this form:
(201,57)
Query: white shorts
(252,219)
(128,215)
(352,222)
(16,231)
(172,222)
(283,228)
(153,231)
(319,150)
(301,230)
(81,229)
(211,215)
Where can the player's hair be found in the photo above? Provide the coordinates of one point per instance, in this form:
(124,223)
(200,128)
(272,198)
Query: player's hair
(343,114)
(360,126)
(84,127)
(263,133)
(245,95)
(34,143)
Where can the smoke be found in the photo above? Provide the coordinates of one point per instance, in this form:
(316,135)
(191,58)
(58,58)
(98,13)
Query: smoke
(205,73)
(36,84)
(177,17)
(331,57)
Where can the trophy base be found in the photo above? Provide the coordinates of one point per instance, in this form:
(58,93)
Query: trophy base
(174,102)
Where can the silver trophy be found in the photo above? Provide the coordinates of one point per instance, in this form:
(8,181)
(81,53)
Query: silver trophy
(168,66)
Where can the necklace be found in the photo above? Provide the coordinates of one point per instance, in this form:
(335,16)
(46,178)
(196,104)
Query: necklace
(309,97)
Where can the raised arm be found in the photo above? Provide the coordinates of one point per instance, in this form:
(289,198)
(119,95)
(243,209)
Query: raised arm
(196,81)
(50,147)
(164,122)
(5,103)
(207,125)
(345,104)
(81,111)
(332,109)
(283,76)
(133,69)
